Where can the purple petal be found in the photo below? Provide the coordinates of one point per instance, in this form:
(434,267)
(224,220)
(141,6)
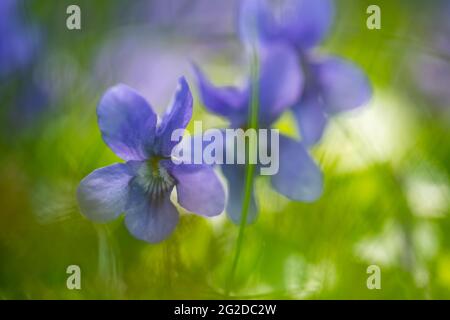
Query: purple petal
(254,21)
(310,117)
(127,123)
(199,189)
(343,85)
(298,178)
(177,116)
(147,218)
(235,175)
(8,7)
(303,23)
(281,82)
(19,41)
(229,102)
(102,195)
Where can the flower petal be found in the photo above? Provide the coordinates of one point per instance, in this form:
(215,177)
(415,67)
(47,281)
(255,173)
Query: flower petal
(235,175)
(298,178)
(254,21)
(177,116)
(199,189)
(303,23)
(343,85)
(229,102)
(102,195)
(311,118)
(281,82)
(306,22)
(127,122)
(147,219)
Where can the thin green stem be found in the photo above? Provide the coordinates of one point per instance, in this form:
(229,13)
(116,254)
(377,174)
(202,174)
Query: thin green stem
(250,168)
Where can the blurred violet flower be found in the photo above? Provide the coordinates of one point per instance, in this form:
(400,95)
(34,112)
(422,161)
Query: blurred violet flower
(141,187)
(199,19)
(18,41)
(279,85)
(151,67)
(431,69)
(25,97)
(431,75)
(332,84)
(28,106)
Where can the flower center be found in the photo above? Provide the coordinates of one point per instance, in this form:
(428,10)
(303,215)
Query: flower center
(155,179)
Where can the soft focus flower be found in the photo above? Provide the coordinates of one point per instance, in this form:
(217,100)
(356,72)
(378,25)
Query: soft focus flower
(279,85)
(141,187)
(18,41)
(431,75)
(332,84)
(24,98)
(431,67)
(28,107)
(199,19)
(150,67)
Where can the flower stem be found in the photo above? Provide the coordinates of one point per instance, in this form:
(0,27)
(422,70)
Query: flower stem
(249,168)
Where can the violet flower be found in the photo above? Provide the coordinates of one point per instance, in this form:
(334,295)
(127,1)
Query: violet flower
(18,41)
(24,98)
(279,85)
(430,68)
(141,187)
(332,84)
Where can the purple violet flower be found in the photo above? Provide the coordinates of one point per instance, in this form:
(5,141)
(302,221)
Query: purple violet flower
(430,68)
(18,41)
(280,85)
(141,187)
(332,84)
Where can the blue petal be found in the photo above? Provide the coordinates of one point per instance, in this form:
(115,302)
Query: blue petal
(127,123)
(343,85)
(281,82)
(254,21)
(298,178)
(102,195)
(303,23)
(147,219)
(235,175)
(199,189)
(19,42)
(177,116)
(310,117)
(229,102)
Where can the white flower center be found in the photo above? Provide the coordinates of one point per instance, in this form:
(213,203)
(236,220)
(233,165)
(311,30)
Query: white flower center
(155,179)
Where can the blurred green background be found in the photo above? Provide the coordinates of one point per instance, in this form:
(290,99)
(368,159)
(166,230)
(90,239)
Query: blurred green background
(386,166)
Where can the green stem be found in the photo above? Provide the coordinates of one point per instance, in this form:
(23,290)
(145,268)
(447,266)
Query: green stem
(250,168)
